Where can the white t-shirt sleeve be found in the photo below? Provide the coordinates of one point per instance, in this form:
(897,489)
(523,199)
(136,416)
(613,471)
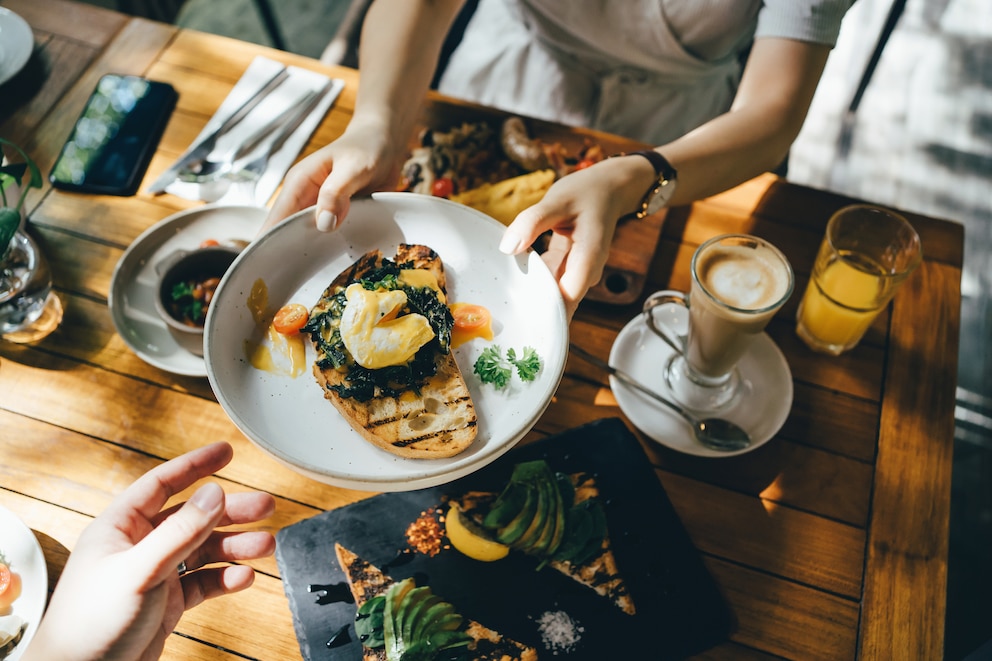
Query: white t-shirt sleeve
(816,21)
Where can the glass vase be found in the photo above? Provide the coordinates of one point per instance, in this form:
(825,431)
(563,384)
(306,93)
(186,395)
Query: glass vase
(29,309)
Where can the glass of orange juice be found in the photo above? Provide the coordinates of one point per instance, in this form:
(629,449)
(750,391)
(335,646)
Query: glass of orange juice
(865,255)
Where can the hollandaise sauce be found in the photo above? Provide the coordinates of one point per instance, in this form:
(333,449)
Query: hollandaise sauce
(269,350)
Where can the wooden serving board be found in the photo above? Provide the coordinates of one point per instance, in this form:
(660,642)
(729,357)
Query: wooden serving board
(679,609)
(634,243)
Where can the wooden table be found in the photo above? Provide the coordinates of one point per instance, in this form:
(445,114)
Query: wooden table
(829,542)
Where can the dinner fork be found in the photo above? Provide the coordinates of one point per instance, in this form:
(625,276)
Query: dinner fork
(202,149)
(208,169)
(245,172)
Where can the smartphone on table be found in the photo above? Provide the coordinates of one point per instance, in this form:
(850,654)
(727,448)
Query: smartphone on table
(115,136)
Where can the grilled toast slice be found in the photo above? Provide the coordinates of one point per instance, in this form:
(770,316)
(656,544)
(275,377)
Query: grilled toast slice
(600,572)
(436,420)
(367,581)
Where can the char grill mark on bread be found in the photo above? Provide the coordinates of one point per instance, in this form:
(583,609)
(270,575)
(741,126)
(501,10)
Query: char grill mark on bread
(436,422)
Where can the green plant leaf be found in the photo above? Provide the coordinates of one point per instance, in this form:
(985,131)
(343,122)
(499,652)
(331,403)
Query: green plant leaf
(10,220)
(15,170)
(34,181)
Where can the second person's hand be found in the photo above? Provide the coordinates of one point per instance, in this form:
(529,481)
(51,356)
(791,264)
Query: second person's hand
(120,594)
(582,210)
(359,162)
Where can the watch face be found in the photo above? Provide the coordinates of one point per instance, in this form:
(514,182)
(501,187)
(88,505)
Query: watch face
(660,196)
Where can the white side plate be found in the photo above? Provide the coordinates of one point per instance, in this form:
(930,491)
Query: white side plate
(16,44)
(25,558)
(132,287)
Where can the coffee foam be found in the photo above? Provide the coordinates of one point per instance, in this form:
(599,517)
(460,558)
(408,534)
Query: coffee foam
(742,277)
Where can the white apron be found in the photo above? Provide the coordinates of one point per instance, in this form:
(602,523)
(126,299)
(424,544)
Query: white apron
(612,66)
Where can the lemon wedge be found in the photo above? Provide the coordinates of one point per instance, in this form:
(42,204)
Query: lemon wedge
(468,542)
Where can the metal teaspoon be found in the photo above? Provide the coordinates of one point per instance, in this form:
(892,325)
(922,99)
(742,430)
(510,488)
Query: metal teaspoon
(713,433)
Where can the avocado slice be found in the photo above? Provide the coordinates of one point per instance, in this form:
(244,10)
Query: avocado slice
(416,617)
(515,529)
(410,610)
(538,522)
(553,522)
(545,517)
(430,612)
(567,497)
(507,506)
(392,636)
(441,641)
(440,612)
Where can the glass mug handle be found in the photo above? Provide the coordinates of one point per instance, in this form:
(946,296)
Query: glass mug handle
(662,330)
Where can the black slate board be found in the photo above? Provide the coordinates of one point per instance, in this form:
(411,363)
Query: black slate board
(680,610)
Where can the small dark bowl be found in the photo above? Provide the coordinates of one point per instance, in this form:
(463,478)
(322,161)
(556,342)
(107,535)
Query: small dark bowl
(182,265)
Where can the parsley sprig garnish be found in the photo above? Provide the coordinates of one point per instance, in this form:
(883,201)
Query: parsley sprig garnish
(493,368)
(528,365)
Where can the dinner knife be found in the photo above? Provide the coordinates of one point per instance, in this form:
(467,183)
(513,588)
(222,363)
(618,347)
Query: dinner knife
(202,148)
(274,134)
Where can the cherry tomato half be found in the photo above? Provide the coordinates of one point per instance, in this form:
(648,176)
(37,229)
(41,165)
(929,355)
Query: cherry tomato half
(290,318)
(470,317)
(5,577)
(443,187)
(10,587)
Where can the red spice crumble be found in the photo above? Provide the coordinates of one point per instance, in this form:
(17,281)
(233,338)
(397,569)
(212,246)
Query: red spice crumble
(425,534)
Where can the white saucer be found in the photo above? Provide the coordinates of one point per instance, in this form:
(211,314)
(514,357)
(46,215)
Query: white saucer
(132,287)
(16,44)
(761,407)
(24,557)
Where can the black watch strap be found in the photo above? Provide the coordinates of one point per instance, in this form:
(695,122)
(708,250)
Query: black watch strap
(661,165)
(667,176)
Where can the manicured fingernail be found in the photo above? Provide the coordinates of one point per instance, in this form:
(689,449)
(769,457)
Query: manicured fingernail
(510,244)
(208,497)
(326,221)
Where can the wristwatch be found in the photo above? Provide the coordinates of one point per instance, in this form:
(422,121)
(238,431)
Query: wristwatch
(662,190)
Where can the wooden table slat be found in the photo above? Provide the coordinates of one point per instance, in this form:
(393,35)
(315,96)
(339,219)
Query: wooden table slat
(823,540)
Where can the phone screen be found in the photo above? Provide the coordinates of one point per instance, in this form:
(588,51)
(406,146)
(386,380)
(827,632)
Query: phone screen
(115,136)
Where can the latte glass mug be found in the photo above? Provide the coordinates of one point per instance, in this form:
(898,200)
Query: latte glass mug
(738,284)
(866,254)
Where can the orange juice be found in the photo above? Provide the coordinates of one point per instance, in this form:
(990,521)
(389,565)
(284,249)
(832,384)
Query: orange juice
(842,300)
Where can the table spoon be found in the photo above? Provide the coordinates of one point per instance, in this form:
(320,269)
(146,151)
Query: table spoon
(714,433)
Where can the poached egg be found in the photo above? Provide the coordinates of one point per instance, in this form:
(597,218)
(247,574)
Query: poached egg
(374,332)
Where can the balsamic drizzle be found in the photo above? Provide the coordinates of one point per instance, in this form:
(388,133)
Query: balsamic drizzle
(333,593)
(403,557)
(340,638)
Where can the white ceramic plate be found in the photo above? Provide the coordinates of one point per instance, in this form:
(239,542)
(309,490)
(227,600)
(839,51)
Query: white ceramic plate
(16,44)
(761,406)
(23,553)
(132,287)
(290,419)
